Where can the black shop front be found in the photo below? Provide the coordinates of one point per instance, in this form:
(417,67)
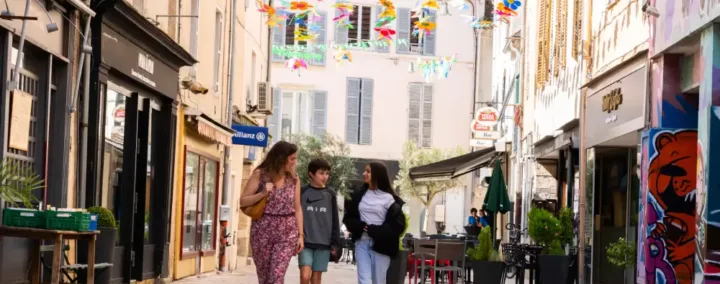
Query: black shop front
(131,135)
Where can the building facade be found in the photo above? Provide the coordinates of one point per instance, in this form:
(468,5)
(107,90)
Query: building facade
(373,103)
(35,103)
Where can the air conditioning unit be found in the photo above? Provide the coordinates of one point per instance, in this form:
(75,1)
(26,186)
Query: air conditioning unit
(264,98)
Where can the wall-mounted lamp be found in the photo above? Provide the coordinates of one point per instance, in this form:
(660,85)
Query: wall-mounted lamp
(194,86)
(51,27)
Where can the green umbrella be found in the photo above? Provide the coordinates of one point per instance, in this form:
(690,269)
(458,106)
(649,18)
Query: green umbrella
(496,199)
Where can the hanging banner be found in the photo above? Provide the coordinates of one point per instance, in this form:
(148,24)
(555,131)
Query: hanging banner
(250,135)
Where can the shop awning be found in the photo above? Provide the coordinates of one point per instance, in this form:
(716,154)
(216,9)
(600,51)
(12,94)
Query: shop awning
(208,127)
(453,167)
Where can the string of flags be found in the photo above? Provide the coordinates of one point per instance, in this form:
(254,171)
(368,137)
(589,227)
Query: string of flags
(303,14)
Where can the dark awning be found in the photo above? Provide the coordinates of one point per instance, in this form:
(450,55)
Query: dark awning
(453,167)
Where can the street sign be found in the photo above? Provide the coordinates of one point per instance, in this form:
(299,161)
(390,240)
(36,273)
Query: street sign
(250,135)
(487,135)
(481,143)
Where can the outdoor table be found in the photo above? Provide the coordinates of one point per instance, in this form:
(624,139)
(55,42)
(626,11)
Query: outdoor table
(57,236)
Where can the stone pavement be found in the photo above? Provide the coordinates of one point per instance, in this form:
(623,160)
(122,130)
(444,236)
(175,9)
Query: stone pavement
(337,273)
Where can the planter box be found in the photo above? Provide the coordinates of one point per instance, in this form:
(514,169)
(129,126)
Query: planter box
(487,271)
(554,269)
(398,268)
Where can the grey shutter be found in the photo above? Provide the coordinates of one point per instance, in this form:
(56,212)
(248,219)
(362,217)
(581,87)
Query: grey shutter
(320,40)
(319,113)
(415,95)
(352,110)
(403,31)
(278,40)
(274,119)
(383,48)
(427,106)
(366,105)
(341,31)
(429,39)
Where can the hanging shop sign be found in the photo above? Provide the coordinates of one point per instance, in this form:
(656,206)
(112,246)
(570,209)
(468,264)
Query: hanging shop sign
(487,135)
(119,113)
(487,116)
(250,135)
(481,143)
(476,126)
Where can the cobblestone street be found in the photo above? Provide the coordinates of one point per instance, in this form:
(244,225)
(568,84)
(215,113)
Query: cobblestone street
(337,273)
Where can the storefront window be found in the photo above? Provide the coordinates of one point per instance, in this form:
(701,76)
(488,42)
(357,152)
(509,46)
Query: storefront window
(192,167)
(209,205)
(201,184)
(114,130)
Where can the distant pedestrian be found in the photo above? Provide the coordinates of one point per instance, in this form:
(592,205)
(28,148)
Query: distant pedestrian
(278,235)
(321,224)
(375,219)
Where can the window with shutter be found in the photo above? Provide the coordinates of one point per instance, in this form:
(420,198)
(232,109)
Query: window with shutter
(352,111)
(420,114)
(290,27)
(577,29)
(341,31)
(545,21)
(358,114)
(382,48)
(424,45)
(361,18)
(404,31)
(428,45)
(319,113)
(296,113)
(366,104)
(278,40)
(321,22)
(273,120)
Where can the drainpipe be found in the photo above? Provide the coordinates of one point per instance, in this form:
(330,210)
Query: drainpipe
(14,81)
(83,67)
(226,165)
(583,156)
(473,183)
(269,54)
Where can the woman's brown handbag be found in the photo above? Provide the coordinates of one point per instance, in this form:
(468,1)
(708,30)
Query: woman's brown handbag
(256,210)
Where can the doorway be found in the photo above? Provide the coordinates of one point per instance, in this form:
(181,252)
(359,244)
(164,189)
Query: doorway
(615,200)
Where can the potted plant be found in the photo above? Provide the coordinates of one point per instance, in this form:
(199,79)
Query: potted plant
(621,253)
(398,266)
(484,260)
(105,243)
(555,235)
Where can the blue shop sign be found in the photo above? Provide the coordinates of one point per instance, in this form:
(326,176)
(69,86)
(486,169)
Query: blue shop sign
(250,135)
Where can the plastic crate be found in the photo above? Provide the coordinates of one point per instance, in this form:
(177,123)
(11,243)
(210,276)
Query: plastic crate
(25,218)
(67,220)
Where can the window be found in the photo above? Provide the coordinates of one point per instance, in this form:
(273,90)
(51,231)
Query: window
(112,160)
(362,20)
(199,204)
(298,112)
(415,44)
(284,35)
(358,119)
(543,52)
(560,35)
(194,27)
(420,114)
(577,29)
(218,50)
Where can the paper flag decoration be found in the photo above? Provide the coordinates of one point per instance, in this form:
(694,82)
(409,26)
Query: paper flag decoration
(423,26)
(299,6)
(384,21)
(385,33)
(440,67)
(342,55)
(296,63)
(460,4)
(302,34)
(388,10)
(430,4)
(476,23)
(273,17)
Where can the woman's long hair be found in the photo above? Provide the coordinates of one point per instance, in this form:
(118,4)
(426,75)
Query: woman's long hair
(277,157)
(379,177)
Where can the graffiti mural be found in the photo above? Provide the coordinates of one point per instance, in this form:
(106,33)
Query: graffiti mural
(707,259)
(669,188)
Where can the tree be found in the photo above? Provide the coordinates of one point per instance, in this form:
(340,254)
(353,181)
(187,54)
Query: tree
(425,191)
(333,150)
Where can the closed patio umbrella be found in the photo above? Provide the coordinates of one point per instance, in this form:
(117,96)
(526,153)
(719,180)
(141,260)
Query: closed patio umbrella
(496,198)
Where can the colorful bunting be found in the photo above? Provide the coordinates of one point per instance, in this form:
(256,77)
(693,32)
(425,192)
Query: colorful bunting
(296,63)
(423,27)
(342,55)
(439,66)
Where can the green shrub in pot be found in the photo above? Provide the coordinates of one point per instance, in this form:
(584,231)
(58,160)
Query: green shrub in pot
(484,259)
(106,219)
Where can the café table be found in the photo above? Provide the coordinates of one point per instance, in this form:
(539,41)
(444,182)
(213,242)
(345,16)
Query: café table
(57,236)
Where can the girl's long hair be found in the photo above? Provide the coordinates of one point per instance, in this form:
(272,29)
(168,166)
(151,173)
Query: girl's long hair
(277,157)
(379,177)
